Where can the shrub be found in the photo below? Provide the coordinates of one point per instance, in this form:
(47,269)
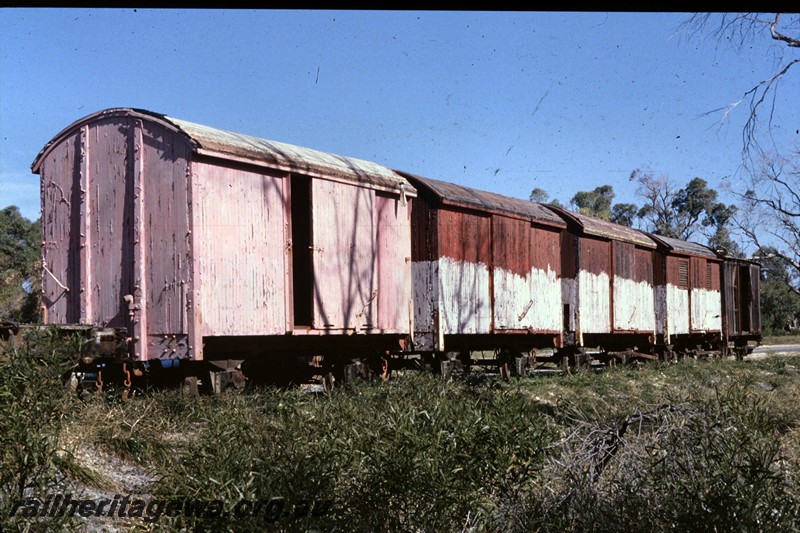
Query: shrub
(414,454)
(34,402)
(708,464)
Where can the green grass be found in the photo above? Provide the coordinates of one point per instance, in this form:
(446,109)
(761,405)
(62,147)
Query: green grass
(33,408)
(781,339)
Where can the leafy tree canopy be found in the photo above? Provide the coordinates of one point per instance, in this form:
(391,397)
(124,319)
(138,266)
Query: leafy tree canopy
(596,203)
(19,266)
(541,196)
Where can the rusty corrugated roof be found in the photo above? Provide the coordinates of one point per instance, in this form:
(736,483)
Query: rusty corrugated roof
(684,247)
(604,228)
(461,196)
(245,148)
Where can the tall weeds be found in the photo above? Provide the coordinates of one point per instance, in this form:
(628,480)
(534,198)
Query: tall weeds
(700,446)
(418,454)
(33,405)
(715,462)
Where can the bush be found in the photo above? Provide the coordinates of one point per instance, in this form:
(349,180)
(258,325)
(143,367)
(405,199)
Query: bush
(709,464)
(702,445)
(20,266)
(414,454)
(34,402)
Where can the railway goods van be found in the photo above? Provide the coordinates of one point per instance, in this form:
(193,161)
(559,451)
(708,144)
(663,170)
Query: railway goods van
(230,256)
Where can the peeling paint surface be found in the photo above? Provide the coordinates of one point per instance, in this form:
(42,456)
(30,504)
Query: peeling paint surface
(166,249)
(677,304)
(569,301)
(464,296)
(460,292)
(526,288)
(660,292)
(142,231)
(634,305)
(706,310)
(110,187)
(425,283)
(135,203)
(464,236)
(594,302)
(240,244)
(60,187)
(532,301)
(394,263)
(116,213)
(345,256)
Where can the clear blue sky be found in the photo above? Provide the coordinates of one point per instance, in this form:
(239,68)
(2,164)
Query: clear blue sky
(501,101)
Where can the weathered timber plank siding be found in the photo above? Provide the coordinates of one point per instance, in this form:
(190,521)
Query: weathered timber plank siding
(464,236)
(464,296)
(568,243)
(111,155)
(239,219)
(689,295)
(634,296)
(177,231)
(677,295)
(755,300)
(741,288)
(526,285)
(165,180)
(424,270)
(594,312)
(546,276)
(482,263)
(706,299)
(594,289)
(127,207)
(513,293)
(425,284)
(464,279)
(394,263)
(677,304)
(61,230)
(138,308)
(345,258)
(706,310)
(167,241)
(634,305)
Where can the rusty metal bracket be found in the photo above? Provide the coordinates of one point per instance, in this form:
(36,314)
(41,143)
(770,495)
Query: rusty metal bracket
(99,384)
(385,370)
(127,382)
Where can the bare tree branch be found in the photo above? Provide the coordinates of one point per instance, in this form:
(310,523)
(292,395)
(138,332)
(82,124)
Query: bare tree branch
(770,217)
(758,94)
(738,30)
(790,41)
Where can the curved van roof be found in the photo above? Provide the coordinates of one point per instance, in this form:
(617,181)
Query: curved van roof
(213,142)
